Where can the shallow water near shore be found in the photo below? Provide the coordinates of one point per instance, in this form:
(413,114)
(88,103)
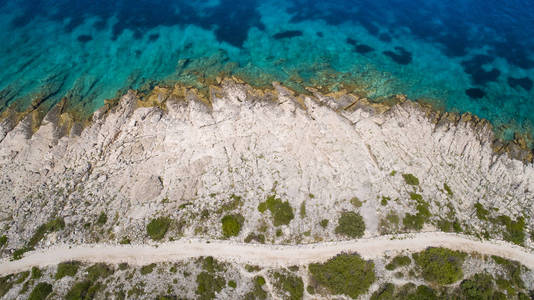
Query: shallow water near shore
(464,56)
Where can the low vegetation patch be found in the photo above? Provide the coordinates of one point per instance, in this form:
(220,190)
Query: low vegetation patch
(208,285)
(410,179)
(67,269)
(102,219)
(417,221)
(291,284)
(257,291)
(447,188)
(157,228)
(40,291)
(260,238)
(398,261)
(350,224)
(3,241)
(515,230)
(147,269)
(53,225)
(346,274)
(481,212)
(356,202)
(440,265)
(281,211)
(232,224)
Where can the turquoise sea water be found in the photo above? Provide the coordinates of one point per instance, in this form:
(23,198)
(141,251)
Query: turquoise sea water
(463,55)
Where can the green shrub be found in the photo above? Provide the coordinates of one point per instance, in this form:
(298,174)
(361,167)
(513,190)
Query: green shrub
(257,291)
(22,277)
(417,221)
(350,224)
(324,223)
(440,265)
(480,286)
(53,225)
(356,202)
(102,219)
(260,238)
(415,196)
(515,230)
(384,201)
(303,210)
(410,179)
(346,274)
(157,228)
(147,269)
(481,212)
(232,284)
(99,270)
(281,212)
(211,265)
(292,284)
(385,292)
(67,269)
(512,268)
(208,285)
(80,291)
(232,224)
(40,291)
(447,189)
(36,273)
(3,241)
(398,261)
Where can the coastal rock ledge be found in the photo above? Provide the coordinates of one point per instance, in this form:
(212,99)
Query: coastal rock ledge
(324,155)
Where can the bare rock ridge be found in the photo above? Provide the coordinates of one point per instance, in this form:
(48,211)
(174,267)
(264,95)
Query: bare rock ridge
(184,161)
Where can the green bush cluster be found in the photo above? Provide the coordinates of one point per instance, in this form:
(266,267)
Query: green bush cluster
(257,293)
(398,261)
(292,284)
(281,211)
(260,238)
(440,265)
(356,202)
(102,219)
(67,269)
(417,221)
(481,212)
(87,288)
(53,225)
(513,269)
(232,224)
(346,274)
(157,228)
(3,241)
(208,285)
(350,224)
(515,230)
(410,179)
(447,188)
(324,223)
(147,269)
(40,291)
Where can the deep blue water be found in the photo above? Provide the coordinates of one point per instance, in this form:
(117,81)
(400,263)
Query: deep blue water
(463,55)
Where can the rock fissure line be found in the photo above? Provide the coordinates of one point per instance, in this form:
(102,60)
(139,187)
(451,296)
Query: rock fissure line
(264,255)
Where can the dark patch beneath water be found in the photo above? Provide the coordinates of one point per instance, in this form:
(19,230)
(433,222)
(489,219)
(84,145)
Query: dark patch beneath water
(475,68)
(352,41)
(384,37)
(363,49)
(319,34)
(287,34)
(84,38)
(400,56)
(230,20)
(524,82)
(153,37)
(475,93)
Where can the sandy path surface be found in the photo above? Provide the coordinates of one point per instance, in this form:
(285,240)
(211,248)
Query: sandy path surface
(263,255)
